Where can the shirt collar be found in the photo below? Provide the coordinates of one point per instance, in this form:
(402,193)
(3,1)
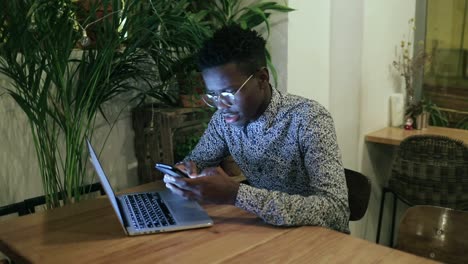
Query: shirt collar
(265,121)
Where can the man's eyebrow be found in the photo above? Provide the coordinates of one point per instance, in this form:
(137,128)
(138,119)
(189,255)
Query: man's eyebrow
(229,88)
(226,89)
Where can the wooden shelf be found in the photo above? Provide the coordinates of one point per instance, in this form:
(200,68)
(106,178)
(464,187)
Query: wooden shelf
(394,135)
(155,133)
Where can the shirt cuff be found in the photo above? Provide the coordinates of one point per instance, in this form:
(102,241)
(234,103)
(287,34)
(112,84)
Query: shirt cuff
(244,198)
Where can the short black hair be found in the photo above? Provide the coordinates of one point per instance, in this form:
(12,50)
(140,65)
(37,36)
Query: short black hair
(233,44)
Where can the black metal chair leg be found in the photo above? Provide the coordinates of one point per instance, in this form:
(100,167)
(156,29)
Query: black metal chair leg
(395,203)
(379,225)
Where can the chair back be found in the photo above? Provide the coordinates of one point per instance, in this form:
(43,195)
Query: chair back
(431,170)
(28,206)
(435,232)
(359,188)
(15,208)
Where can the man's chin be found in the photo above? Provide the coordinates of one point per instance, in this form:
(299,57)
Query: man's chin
(238,123)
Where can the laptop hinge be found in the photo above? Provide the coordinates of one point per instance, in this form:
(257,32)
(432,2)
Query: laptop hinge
(124,215)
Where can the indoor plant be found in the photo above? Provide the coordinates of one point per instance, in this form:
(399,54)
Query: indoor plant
(62,89)
(425,112)
(409,63)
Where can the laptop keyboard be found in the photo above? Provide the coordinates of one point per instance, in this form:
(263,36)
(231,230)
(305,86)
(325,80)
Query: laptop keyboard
(147,210)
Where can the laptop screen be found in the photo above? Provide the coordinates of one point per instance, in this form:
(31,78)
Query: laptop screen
(105,183)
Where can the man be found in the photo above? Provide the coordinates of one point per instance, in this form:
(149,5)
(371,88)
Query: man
(285,145)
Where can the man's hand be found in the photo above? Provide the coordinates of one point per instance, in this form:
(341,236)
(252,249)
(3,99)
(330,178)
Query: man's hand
(212,185)
(189,167)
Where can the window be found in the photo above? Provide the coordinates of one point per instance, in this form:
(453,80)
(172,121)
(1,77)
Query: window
(445,81)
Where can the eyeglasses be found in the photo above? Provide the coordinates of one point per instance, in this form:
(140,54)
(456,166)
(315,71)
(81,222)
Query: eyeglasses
(227,98)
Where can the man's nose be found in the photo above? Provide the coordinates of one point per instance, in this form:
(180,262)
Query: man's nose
(221,105)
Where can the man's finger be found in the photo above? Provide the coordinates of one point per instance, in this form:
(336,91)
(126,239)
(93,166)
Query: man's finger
(181,192)
(174,189)
(191,168)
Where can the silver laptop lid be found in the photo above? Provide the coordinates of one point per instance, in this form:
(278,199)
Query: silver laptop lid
(105,183)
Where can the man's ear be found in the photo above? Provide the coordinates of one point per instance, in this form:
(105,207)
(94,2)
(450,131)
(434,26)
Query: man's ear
(264,75)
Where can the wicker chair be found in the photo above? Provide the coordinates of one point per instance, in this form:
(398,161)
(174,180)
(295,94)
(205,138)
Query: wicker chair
(16,208)
(428,170)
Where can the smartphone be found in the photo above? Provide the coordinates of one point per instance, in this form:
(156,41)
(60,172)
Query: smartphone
(171,170)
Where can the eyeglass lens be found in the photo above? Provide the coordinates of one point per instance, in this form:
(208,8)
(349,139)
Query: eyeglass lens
(213,100)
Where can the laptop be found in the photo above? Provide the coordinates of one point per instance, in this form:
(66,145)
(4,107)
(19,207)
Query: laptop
(153,211)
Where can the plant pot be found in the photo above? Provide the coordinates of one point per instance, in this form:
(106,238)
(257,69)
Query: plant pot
(422,120)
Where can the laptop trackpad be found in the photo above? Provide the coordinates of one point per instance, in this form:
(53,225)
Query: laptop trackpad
(167,195)
(187,211)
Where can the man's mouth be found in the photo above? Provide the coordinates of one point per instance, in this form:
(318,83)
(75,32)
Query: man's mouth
(230,117)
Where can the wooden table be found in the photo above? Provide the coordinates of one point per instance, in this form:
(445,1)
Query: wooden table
(394,135)
(89,232)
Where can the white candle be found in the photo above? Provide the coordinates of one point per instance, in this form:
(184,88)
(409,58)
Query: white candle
(397,109)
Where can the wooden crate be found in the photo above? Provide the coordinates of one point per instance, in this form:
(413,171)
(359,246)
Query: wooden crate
(155,133)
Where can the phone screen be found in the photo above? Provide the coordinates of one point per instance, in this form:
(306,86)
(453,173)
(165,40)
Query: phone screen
(170,170)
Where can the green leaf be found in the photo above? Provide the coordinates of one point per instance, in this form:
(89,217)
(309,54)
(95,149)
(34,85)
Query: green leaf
(252,20)
(272,68)
(463,123)
(260,14)
(264,5)
(243,24)
(280,8)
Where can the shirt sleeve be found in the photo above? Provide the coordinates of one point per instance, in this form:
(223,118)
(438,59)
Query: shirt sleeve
(328,204)
(212,148)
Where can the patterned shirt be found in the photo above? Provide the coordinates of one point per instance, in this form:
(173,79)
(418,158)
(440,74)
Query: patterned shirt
(291,160)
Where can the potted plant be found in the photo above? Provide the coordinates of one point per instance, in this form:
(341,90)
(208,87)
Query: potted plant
(425,113)
(63,90)
(408,65)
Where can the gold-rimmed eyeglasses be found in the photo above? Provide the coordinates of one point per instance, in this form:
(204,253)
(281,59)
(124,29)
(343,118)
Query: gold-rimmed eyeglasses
(227,98)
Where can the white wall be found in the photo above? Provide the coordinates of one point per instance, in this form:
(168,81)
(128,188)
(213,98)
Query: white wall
(277,44)
(309,50)
(345,75)
(18,162)
(345,81)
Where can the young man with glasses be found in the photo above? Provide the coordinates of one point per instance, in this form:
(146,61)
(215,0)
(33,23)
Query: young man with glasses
(284,144)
